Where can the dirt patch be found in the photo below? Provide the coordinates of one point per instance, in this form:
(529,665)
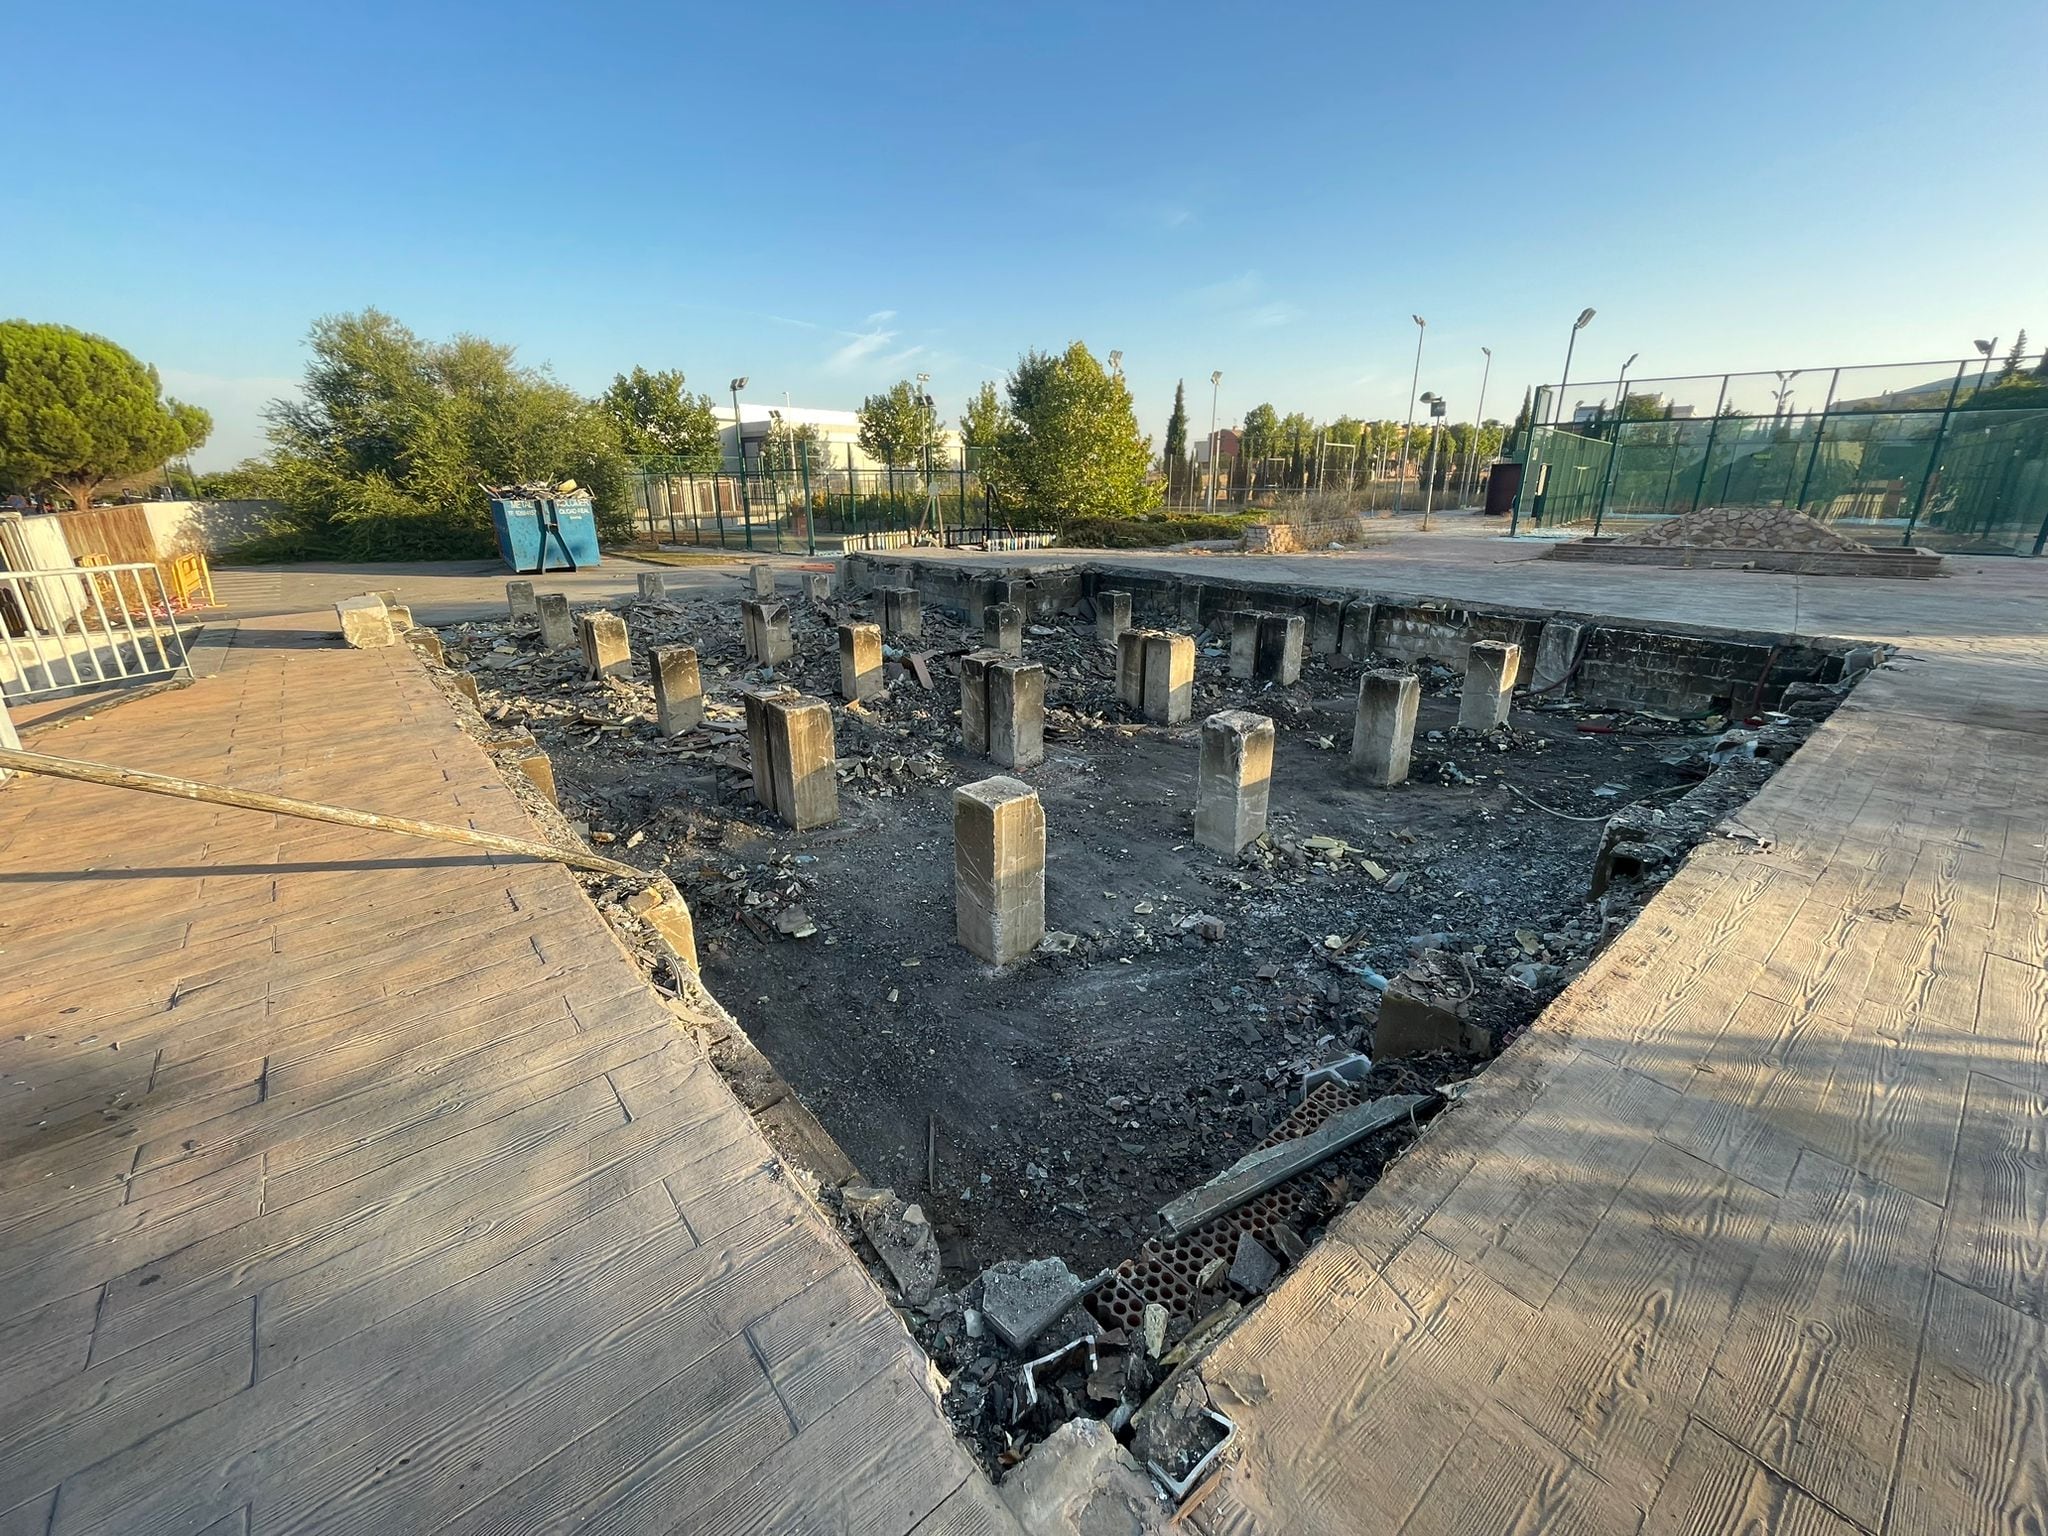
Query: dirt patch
(1053,1108)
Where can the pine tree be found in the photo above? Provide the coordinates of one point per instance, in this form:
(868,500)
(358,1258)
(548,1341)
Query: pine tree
(1176,453)
(2011,370)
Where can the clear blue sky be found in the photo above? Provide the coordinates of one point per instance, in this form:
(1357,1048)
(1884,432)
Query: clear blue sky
(829,197)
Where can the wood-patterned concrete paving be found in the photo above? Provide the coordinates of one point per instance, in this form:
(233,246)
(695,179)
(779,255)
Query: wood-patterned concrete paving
(1750,1233)
(349,1183)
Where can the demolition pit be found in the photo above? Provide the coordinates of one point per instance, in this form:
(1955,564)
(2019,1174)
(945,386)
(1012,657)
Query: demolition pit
(1099,952)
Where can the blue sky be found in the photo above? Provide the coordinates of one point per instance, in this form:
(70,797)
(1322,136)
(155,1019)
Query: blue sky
(830,197)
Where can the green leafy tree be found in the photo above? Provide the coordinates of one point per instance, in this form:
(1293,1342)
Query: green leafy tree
(77,411)
(658,420)
(1258,440)
(990,435)
(385,454)
(790,446)
(1076,451)
(1174,457)
(897,426)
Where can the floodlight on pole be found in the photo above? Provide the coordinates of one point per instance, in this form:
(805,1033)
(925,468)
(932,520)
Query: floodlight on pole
(1215,387)
(1478,426)
(1578,325)
(1437,408)
(1116,362)
(1408,431)
(1987,348)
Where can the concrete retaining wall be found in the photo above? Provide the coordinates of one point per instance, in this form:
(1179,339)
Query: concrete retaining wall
(1622,666)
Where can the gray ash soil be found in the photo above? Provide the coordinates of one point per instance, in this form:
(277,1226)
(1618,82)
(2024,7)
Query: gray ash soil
(1076,1093)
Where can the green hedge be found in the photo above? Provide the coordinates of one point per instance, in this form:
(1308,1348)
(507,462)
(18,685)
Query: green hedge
(1151,532)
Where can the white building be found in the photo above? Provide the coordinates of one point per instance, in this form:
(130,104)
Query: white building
(840,431)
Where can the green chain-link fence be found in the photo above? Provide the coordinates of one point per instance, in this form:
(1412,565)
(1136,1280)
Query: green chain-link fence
(1950,456)
(809,507)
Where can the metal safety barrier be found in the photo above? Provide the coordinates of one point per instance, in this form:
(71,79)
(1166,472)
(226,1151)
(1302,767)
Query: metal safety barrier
(86,627)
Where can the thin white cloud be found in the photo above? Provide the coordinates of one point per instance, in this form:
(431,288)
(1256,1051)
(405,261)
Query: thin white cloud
(1231,292)
(881,317)
(1268,315)
(863,346)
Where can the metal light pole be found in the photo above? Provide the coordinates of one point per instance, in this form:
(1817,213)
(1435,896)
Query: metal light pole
(1478,426)
(739,458)
(1215,386)
(931,491)
(1408,431)
(1614,447)
(1578,325)
(1987,348)
(1435,402)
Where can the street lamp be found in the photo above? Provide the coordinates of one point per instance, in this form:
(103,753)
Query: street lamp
(1116,362)
(1614,445)
(1578,325)
(1478,426)
(1435,402)
(1408,431)
(1987,348)
(1783,392)
(1215,385)
(739,459)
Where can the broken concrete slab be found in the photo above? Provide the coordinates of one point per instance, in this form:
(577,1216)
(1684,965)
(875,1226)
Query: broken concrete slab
(1080,1480)
(365,624)
(1021,1298)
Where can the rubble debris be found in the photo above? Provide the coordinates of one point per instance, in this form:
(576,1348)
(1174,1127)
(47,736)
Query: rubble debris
(1254,1268)
(1020,1299)
(1422,1012)
(1080,1479)
(1256,1172)
(901,1235)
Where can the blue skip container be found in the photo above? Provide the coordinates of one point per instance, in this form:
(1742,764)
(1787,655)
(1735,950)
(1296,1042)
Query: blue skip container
(545,534)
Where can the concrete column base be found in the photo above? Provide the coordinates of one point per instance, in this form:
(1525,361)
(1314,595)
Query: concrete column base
(902,613)
(1112,615)
(817,587)
(1383,733)
(1355,638)
(998,869)
(1244,644)
(860,661)
(519,602)
(803,762)
(1280,643)
(653,587)
(1557,649)
(678,689)
(1234,783)
(365,624)
(557,633)
(1490,668)
(769,637)
(761,580)
(1002,629)
(1016,713)
(607,651)
(1169,678)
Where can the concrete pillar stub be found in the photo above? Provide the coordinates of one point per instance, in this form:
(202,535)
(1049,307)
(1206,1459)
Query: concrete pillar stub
(400,616)
(902,613)
(1016,713)
(1169,678)
(428,644)
(519,602)
(1002,629)
(1280,642)
(557,633)
(1355,639)
(1130,668)
(1384,731)
(1556,649)
(998,869)
(1244,643)
(678,689)
(974,668)
(1490,667)
(1190,600)
(769,637)
(860,661)
(364,622)
(653,587)
(540,773)
(980,592)
(754,702)
(1234,783)
(817,587)
(1325,626)
(803,760)
(762,578)
(607,652)
(1112,615)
